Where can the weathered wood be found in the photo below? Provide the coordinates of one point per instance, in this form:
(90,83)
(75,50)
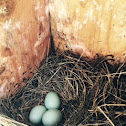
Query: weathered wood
(89,27)
(24,41)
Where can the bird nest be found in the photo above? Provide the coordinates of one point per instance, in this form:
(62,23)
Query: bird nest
(92,92)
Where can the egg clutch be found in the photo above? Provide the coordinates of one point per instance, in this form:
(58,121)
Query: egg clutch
(48,115)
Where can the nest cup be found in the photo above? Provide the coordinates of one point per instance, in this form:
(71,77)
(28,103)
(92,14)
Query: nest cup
(91,92)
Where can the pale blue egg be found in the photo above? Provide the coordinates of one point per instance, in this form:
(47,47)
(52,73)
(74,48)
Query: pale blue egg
(52,100)
(36,114)
(52,117)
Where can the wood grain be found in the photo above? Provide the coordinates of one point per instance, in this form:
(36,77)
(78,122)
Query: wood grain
(90,27)
(24,41)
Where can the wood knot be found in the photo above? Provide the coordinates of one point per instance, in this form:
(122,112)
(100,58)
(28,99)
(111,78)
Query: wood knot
(5,51)
(2,69)
(6,8)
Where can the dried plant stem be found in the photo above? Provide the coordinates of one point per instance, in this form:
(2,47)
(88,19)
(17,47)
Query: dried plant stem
(106,75)
(53,75)
(5,121)
(119,114)
(93,124)
(122,105)
(100,110)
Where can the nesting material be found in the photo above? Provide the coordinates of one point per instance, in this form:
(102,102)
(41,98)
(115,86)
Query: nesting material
(6,121)
(91,92)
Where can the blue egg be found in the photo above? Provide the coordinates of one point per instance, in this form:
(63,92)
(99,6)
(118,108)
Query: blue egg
(36,114)
(52,101)
(52,117)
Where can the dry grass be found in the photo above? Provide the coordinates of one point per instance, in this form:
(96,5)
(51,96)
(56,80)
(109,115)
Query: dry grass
(93,93)
(6,121)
